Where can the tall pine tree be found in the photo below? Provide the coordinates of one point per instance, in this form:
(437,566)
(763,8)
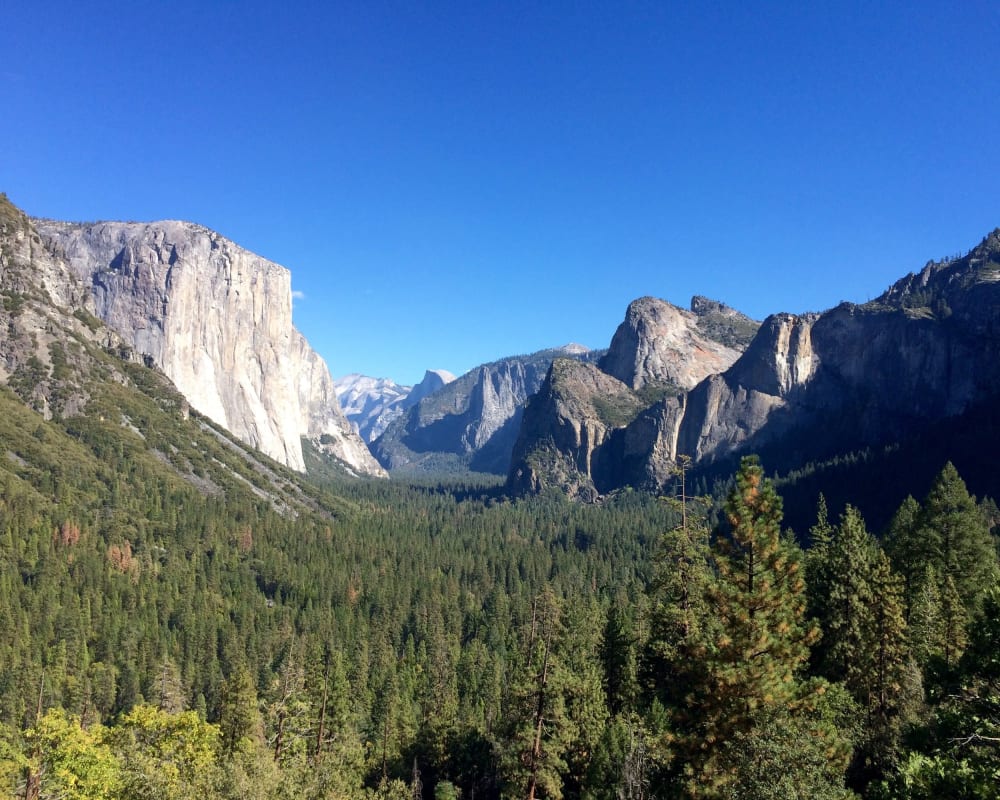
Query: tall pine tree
(753,659)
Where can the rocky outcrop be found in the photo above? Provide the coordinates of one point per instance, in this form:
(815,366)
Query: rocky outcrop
(565,440)
(661,345)
(807,388)
(41,357)
(625,414)
(217,319)
(372,403)
(472,422)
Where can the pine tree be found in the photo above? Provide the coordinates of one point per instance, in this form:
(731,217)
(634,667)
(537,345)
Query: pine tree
(166,689)
(908,550)
(954,619)
(619,659)
(962,758)
(239,719)
(762,641)
(958,537)
(926,628)
(820,534)
(586,707)
(888,682)
(843,602)
(860,608)
(539,729)
(681,622)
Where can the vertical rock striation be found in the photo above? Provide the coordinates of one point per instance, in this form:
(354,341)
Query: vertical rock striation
(660,344)
(592,429)
(808,387)
(472,422)
(217,319)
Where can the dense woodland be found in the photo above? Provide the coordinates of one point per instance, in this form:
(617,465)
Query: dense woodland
(166,634)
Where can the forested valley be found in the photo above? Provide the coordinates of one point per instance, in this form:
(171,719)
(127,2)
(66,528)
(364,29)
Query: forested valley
(161,640)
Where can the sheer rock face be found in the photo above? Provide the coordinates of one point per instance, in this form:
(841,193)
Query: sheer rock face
(472,422)
(566,438)
(372,403)
(807,388)
(592,429)
(661,344)
(217,319)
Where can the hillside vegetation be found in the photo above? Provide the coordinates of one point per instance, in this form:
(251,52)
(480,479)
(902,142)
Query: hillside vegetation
(182,617)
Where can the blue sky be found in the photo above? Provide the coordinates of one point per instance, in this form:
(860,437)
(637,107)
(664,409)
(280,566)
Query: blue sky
(450,183)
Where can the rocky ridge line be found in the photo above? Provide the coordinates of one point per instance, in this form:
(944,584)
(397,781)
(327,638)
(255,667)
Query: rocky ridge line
(217,319)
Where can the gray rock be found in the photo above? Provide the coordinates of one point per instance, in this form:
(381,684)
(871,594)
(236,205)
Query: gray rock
(660,344)
(807,388)
(217,319)
(372,403)
(593,429)
(472,422)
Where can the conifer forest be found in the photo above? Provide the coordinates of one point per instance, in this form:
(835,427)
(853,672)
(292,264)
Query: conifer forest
(387,640)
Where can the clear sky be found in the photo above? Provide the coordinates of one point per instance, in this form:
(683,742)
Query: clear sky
(450,183)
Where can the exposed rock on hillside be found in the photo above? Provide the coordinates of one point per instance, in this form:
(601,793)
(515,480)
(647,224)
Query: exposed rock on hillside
(217,320)
(807,388)
(625,414)
(372,403)
(472,422)
(566,433)
(41,347)
(661,345)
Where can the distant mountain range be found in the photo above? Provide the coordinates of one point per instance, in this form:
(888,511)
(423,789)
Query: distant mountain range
(913,372)
(472,422)
(372,403)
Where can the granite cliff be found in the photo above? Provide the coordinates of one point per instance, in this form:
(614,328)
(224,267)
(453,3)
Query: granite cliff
(217,319)
(472,422)
(372,403)
(809,387)
(594,428)
(101,408)
(662,346)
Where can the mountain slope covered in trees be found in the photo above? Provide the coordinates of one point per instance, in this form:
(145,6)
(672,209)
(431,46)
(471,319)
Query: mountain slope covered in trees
(182,617)
(913,371)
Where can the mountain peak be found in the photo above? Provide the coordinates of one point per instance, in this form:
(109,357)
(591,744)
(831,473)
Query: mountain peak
(936,284)
(660,344)
(216,318)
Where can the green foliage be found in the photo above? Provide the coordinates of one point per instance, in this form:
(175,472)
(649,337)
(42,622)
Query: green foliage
(958,539)
(842,600)
(539,730)
(784,757)
(88,319)
(239,721)
(326,636)
(742,657)
(961,757)
(70,762)
(949,533)
(731,329)
(618,411)
(682,621)
(164,756)
(759,601)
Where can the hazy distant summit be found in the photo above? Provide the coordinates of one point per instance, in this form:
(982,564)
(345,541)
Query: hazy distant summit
(470,423)
(372,403)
